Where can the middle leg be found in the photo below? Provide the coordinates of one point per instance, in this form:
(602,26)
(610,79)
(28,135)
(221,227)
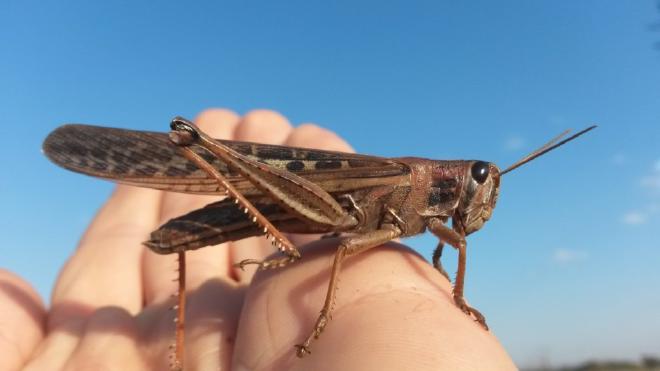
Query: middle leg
(268,263)
(348,247)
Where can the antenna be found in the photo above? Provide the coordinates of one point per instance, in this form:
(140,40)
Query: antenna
(552,144)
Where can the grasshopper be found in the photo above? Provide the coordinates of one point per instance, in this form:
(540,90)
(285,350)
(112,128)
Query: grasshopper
(271,190)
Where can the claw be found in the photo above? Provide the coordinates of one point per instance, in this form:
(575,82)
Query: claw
(301,350)
(266,264)
(245,262)
(472,312)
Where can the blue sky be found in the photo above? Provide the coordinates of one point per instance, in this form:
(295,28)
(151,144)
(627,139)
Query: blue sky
(566,270)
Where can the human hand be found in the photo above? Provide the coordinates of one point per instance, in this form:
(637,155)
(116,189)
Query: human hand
(110,303)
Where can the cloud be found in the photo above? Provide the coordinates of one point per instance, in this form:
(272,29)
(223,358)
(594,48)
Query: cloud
(652,180)
(563,255)
(634,218)
(514,143)
(619,159)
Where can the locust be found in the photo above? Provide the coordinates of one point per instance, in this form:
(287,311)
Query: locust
(271,190)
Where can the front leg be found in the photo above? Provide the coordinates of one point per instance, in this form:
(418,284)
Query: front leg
(437,264)
(457,240)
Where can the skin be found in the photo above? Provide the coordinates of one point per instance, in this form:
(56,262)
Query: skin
(110,302)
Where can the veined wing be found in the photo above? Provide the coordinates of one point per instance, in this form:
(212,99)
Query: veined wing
(149,159)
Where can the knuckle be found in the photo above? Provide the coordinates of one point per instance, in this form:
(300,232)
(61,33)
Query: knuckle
(109,318)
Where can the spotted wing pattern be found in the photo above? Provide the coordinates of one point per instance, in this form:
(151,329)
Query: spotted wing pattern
(149,159)
(220,222)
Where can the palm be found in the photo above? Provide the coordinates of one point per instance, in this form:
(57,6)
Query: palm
(110,305)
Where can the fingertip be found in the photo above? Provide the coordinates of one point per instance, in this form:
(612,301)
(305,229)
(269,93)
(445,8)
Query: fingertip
(407,329)
(10,279)
(263,126)
(218,122)
(216,115)
(310,135)
(387,295)
(286,302)
(23,320)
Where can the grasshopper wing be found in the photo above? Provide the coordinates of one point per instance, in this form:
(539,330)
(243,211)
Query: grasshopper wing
(149,159)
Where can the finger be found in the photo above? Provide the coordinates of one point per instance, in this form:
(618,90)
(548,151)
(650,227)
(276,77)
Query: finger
(105,268)
(108,326)
(214,308)
(202,264)
(54,352)
(260,126)
(22,323)
(309,135)
(263,126)
(212,312)
(388,299)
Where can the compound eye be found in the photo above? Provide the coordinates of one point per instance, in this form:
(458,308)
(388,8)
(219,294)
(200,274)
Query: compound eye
(480,171)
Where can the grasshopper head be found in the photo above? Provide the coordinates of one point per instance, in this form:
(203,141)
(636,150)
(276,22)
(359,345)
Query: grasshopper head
(482,185)
(479,195)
